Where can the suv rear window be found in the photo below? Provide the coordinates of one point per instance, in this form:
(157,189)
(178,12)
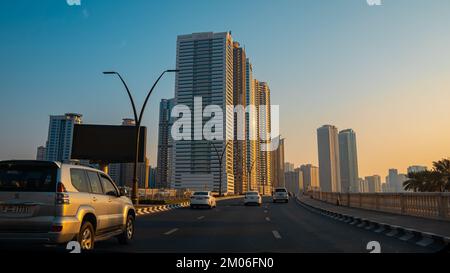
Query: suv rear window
(280,190)
(23,178)
(200,193)
(79,180)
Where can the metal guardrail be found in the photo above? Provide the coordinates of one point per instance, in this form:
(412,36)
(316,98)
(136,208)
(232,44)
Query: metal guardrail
(427,205)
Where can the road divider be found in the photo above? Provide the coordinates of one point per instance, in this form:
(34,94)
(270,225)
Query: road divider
(156,209)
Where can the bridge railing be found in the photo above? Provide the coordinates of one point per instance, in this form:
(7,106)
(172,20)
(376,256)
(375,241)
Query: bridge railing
(427,205)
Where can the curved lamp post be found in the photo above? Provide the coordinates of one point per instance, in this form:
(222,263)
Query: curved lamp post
(137,119)
(220,157)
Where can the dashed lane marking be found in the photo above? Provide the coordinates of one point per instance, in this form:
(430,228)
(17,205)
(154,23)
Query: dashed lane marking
(276,234)
(171,231)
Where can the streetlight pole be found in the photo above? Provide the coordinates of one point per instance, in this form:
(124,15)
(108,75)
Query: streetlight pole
(220,157)
(138,120)
(249,172)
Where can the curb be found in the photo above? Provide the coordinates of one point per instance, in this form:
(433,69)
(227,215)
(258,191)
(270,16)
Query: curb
(420,238)
(157,209)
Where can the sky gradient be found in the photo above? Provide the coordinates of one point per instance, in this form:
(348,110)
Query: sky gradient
(381,70)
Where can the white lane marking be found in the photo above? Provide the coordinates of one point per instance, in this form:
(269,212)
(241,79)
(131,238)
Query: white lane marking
(265,211)
(171,231)
(267,219)
(200,217)
(276,234)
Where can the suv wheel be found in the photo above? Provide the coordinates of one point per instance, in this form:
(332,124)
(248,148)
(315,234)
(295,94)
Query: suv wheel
(128,233)
(86,237)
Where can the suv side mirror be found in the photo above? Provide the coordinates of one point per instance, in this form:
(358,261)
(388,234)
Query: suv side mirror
(123,191)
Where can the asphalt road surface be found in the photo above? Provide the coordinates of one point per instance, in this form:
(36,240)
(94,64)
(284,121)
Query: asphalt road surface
(233,227)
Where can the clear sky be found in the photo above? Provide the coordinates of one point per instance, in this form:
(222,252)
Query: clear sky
(380,70)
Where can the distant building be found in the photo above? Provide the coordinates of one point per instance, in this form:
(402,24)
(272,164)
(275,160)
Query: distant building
(310,177)
(165,153)
(239,100)
(373,183)
(392,181)
(294,181)
(288,167)
(363,185)
(329,167)
(416,169)
(402,178)
(60,137)
(348,161)
(266,176)
(253,159)
(40,154)
(152,178)
(278,166)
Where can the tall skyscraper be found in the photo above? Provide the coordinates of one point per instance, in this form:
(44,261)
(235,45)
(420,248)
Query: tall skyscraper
(310,177)
(40,153)
(60,137)
(205,61)
(239,100)
(252,129)
(264,132)
(277,165)
(164,158)
(348,161)
(329,167)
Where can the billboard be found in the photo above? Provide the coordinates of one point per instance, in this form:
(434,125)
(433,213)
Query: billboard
(107,143)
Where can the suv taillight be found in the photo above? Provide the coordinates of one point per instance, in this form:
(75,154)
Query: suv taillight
(61,194)
(60,187)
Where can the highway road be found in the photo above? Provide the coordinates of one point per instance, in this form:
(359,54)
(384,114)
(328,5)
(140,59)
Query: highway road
(232,227)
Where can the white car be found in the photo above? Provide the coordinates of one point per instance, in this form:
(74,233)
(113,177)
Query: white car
(252,197)
(203,199)
(280,194)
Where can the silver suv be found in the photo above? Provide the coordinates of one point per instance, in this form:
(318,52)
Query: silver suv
(280,194)
(51,202)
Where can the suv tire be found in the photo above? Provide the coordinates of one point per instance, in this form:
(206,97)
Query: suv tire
(86,236)
(127,236)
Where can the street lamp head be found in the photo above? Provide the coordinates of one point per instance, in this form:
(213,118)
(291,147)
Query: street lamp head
(109,72)
(173,70)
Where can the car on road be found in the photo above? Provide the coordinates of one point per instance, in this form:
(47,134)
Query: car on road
(203,199)
(280,194)
(252,198)
(53,203)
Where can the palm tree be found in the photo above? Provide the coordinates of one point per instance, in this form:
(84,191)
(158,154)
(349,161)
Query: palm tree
(435,180)
(417,181)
